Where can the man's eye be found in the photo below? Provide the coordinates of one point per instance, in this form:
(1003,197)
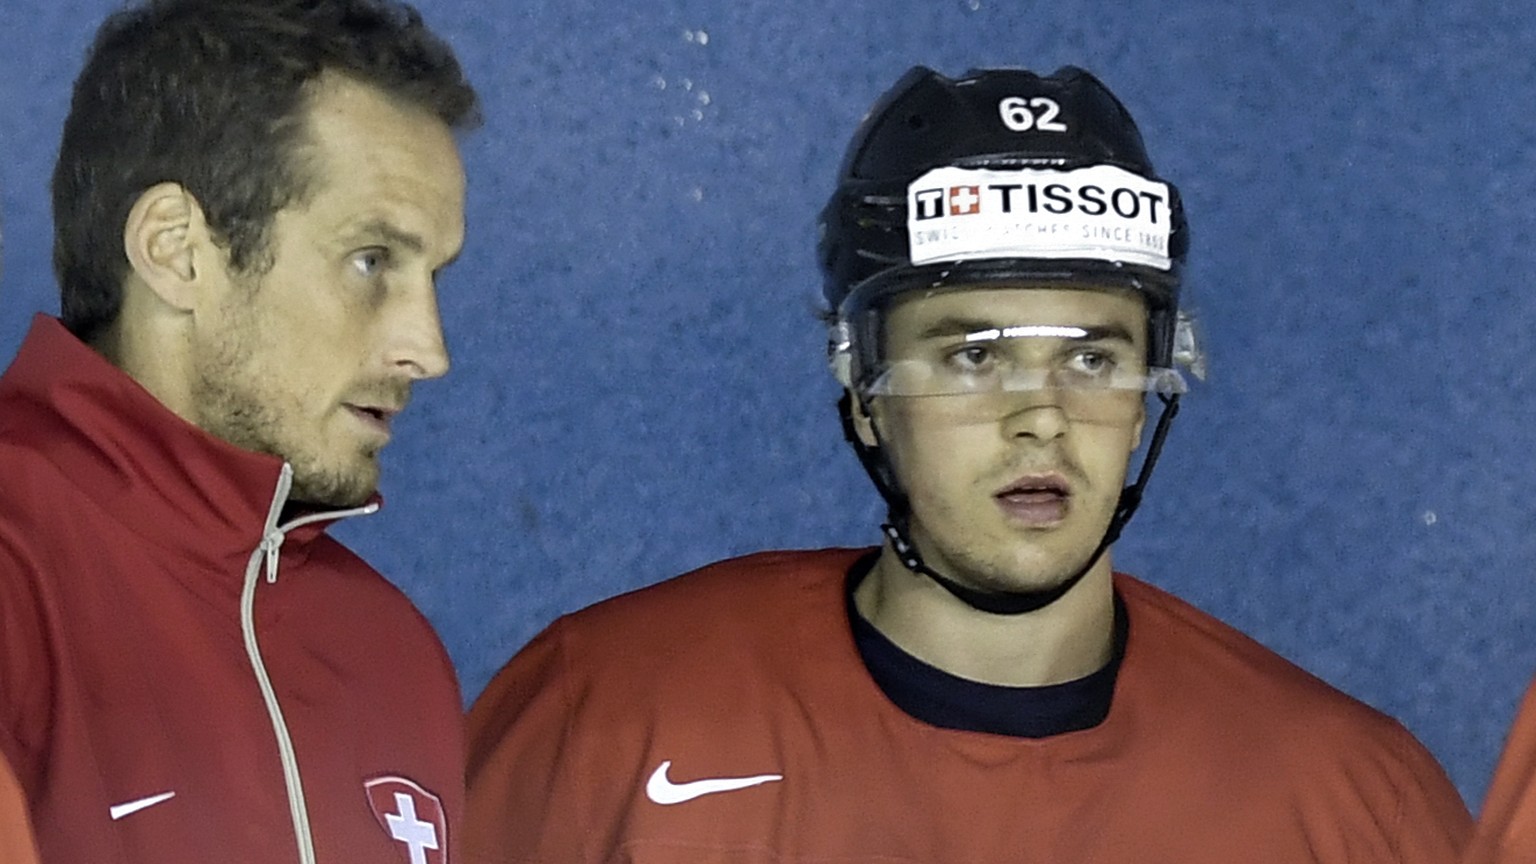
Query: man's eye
(369,262)
(971,357)
(1092,362)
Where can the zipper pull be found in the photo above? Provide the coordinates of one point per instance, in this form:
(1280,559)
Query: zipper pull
(272,544)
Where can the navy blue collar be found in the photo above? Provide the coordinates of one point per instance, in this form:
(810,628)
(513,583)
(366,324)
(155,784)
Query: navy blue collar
(940,699)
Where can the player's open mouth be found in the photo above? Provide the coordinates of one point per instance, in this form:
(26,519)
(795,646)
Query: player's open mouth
(375,417)
(1037,500)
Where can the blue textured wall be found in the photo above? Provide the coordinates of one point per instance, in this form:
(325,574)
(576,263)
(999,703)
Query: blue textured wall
(639,389)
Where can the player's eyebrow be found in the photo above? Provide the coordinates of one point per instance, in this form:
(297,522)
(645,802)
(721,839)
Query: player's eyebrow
(383,232)
(1096,333)
(951,325)
(978,330)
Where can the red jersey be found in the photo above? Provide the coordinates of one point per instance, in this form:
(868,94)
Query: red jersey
(727,716)
(16,845)
(1506,830)
(184,676)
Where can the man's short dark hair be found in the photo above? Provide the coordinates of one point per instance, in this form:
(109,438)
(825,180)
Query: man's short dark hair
(211,94)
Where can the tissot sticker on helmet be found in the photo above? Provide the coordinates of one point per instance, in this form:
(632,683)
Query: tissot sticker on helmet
(1101,213)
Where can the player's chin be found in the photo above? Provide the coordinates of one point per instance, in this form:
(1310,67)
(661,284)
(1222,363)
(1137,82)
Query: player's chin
(1020,578)
(349,485)
(1044,565)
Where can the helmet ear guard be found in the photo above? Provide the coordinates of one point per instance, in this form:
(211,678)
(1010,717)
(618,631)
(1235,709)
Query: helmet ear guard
(840,353)
(1188,348)
(1001,178)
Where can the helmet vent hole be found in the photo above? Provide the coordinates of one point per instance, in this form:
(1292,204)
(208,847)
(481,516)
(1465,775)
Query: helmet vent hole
(916,122)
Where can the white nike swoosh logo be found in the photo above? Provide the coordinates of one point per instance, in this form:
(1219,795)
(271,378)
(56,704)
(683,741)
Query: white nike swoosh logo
(664,791)
(118,811)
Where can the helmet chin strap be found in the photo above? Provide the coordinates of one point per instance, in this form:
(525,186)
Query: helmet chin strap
(995,602)
(991,601)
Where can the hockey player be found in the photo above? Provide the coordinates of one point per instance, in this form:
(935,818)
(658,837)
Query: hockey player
(1003,269)
(1506,828)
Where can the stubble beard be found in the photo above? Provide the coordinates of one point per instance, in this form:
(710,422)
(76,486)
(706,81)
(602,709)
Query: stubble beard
(237,401)
(1002,573)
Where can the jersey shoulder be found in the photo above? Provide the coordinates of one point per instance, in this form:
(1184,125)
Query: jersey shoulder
(1232,682)
(726,627)
(759,593)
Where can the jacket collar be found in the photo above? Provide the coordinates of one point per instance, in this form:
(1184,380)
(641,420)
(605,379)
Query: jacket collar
(162,477)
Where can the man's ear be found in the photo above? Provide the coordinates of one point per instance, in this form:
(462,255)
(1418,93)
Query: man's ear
(167,241)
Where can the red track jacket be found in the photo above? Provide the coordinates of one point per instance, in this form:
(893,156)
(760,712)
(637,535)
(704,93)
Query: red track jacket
(183,676)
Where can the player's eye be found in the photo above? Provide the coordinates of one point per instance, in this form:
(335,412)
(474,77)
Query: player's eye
(971,358)
(369,263)
(1092,362)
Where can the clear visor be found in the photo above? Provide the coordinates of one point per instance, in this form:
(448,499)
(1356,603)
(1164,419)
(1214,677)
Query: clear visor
(1092,373)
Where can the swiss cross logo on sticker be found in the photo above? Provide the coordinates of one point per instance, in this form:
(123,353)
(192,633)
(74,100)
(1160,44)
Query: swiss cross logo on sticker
(412,817)
(964,200)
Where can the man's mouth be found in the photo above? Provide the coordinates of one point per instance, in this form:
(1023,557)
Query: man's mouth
(1036,500)
(376,416)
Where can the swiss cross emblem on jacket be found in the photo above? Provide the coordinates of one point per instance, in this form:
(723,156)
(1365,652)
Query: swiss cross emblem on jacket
(412,816)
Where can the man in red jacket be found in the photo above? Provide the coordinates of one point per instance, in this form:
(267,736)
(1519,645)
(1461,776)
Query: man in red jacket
(16,845)
(1506,828)
(1003,271)
(252,201)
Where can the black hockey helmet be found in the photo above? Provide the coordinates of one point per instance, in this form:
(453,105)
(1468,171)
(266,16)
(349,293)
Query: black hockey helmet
(1046,128)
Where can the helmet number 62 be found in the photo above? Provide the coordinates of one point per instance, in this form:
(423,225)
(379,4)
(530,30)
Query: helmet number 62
(1018,116)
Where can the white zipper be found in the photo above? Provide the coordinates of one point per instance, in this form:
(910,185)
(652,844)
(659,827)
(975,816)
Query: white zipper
(272,536)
